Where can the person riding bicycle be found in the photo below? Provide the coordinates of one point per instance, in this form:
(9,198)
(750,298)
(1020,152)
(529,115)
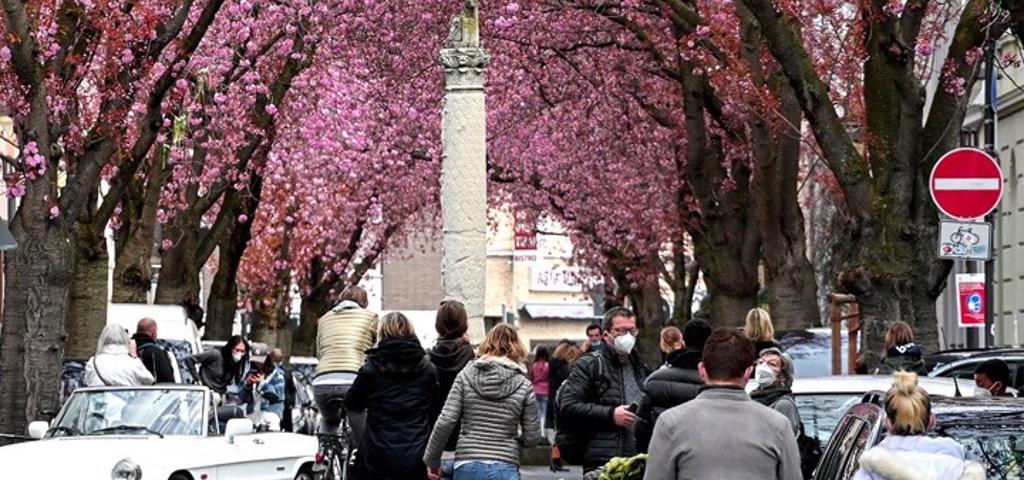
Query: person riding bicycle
(342,338)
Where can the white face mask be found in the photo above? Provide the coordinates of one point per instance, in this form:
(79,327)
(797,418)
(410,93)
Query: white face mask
(237,356)
(764,375)
(624,344)
(982,392)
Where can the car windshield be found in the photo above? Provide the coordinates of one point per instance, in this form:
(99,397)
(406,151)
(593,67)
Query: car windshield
(131,411)
(821,412)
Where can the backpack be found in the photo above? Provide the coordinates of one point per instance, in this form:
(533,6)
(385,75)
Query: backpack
(571,440)
(810,453)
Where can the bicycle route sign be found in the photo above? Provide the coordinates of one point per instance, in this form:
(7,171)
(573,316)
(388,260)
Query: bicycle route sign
(965,241)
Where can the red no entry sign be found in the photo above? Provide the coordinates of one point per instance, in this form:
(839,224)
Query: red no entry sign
(966,183)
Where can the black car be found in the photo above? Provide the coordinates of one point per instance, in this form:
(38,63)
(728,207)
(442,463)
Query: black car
(991,430)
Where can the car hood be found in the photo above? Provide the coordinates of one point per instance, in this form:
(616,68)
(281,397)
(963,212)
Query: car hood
(95,457)
(80,457)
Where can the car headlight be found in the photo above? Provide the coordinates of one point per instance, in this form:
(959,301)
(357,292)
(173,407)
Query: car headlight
(126,469)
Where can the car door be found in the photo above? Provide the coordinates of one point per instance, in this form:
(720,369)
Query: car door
(255,457)
(855,432)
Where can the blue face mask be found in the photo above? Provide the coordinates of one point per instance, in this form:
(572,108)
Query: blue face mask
(596,344)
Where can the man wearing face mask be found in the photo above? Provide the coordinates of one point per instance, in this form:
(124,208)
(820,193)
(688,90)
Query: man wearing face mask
(595,338)
(991,379)
(602,391)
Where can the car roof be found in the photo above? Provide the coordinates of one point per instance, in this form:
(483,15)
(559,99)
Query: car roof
(1015,357)
(858,384)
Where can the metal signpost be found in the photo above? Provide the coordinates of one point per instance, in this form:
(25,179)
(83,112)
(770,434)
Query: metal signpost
(967,184)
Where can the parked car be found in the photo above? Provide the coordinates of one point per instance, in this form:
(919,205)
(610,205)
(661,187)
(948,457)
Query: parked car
(821,401)
(989,429)
(168,432)
(811,350)
(305,365)
(963,368)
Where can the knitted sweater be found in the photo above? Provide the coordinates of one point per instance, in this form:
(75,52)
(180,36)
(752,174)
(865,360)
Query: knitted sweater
(493,399)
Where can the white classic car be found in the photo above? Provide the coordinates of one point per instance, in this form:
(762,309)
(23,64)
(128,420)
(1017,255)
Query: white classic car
(164,432)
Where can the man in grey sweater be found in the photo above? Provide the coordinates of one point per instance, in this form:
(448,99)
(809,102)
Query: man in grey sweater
(723,433)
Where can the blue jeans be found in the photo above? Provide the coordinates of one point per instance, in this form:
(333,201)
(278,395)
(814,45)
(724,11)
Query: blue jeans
(487,471)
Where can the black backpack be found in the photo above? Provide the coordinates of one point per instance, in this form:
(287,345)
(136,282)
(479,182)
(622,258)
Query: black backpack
(810,453)
(571,440)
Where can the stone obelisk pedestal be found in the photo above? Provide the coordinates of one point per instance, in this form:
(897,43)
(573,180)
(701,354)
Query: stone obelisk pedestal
(464,169)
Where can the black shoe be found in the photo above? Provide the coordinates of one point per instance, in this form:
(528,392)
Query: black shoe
(557,467)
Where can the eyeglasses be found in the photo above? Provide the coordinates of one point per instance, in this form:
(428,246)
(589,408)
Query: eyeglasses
(632,331)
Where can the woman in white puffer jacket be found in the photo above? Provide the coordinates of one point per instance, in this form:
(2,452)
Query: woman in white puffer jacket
(113,365)
(908,453)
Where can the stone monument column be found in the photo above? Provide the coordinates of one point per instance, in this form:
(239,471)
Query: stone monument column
(464,168)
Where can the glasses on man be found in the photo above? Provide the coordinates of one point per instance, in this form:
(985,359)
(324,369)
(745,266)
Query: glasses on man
(622,331)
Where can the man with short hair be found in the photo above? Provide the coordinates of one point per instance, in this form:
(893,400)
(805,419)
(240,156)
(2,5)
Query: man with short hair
(991,378)
(595,338)
(723,433)
(153,357)
(599,394)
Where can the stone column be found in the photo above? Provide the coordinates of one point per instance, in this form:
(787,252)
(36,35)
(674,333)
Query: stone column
(464,168)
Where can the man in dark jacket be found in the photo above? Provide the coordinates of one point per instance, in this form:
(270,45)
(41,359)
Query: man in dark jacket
(675,383)
(153,357)
(597,396)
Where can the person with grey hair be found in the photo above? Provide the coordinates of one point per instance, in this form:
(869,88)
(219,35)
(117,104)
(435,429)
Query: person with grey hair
(114,365)
(774,377)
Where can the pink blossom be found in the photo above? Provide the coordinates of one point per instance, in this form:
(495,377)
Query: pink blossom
(512,8)
(924,48)
(271,109)
(54,212)
(243,218)
(703,30)
(167,244)
(15,189)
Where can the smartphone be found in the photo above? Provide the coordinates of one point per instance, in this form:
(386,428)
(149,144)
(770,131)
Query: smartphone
(633,407)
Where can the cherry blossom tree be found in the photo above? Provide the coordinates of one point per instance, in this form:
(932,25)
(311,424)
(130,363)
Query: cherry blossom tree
(88,88)
(881,155)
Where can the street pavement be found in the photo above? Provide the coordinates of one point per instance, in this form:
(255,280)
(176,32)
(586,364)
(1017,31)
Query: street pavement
(545,473)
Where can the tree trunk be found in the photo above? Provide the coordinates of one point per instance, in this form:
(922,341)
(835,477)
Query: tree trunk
(37,274)
(87,307)
(652,315)
(133,267)
(179,267)
(313,307)
(222,303)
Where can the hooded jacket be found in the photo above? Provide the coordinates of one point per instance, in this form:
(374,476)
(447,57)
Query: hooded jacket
(674,384)
(917,457)
(114,367)
(449,358)
(905,358)
(495,401)
(397,388)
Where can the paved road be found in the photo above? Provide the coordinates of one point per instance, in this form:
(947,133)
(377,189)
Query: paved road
(544,473)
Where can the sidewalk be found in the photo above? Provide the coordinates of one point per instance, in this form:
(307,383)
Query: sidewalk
(545,473)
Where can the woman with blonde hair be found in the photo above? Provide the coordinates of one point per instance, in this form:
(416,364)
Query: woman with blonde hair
(901,354)
(670,341)
(397,388)
(759,330)
(494,400)
(908,453)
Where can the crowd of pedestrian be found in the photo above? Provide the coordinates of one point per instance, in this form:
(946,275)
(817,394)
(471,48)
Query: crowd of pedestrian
(455,412)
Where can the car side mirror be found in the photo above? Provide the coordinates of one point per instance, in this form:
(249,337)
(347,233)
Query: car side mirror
(238,427)
(37,430)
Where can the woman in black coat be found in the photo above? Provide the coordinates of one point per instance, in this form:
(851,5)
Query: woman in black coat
(397,388)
